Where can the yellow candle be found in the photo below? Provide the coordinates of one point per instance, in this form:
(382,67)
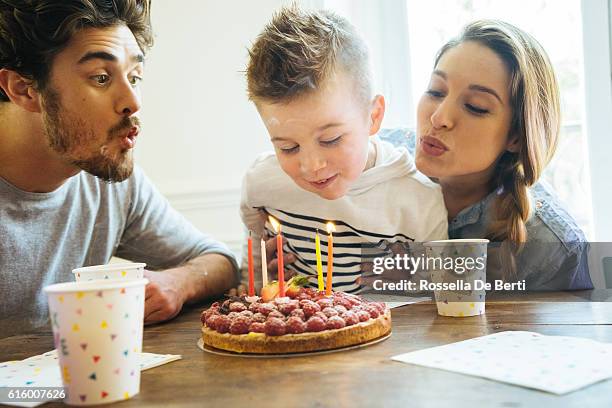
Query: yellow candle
(319,263)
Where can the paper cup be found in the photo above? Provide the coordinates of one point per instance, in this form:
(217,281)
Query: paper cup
(97,329)
(460,273)
(110,271)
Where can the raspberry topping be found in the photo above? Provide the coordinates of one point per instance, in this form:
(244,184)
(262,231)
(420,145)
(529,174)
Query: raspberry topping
(275,314)
(223,324)
(275,327)
(295,325)
(335,322)
(298,313)
(240,325)
(363,316)
(257,327)
(310,308)
(330,311)
(350,318)
(237,307)
(326,302)
(258,317)
(315,324)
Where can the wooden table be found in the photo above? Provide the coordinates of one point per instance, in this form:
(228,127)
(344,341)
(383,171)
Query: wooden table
(365,377)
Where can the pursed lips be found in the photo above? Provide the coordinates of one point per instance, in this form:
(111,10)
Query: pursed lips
(434,141)
(128,140)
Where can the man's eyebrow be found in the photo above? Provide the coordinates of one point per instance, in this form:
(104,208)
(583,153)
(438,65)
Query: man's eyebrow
(106,56)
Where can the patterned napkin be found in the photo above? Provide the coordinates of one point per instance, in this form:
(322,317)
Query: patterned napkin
(43,371)
(556,364)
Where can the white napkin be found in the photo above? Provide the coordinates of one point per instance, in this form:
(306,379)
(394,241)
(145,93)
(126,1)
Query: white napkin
(556,364)
(43,371)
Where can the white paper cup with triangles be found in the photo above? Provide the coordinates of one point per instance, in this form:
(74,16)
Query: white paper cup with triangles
(125,270)
(97,330)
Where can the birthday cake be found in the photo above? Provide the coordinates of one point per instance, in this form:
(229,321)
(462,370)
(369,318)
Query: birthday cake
(304,320)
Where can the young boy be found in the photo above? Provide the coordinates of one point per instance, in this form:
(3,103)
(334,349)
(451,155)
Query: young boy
(308,76)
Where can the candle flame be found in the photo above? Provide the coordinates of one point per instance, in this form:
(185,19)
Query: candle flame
(331,227)
(275,224)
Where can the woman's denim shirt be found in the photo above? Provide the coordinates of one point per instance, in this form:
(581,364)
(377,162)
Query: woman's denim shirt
(555,256)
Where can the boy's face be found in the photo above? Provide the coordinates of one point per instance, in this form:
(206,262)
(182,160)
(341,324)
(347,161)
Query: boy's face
(321,139)
(91,102)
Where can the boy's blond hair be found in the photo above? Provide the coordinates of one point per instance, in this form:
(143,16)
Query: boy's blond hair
(299,50)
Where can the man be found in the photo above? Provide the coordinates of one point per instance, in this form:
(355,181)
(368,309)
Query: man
(70,101)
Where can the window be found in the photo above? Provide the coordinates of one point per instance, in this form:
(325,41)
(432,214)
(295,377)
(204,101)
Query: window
(414,30)
(557,25)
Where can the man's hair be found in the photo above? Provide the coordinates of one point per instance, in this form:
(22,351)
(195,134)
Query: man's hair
(32,32)
(299,50)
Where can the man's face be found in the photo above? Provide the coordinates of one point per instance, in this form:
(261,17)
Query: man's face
(321,139)
(92,99)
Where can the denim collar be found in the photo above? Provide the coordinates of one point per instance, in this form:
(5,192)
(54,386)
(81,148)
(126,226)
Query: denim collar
(476,213)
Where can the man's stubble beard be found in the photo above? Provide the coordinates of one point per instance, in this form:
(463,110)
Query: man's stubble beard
(67,135)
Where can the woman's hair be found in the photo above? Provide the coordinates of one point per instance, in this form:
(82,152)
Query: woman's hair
(534,100)
(32,32)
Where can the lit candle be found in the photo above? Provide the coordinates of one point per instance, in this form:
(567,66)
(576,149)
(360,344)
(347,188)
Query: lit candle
(264,264)
(330,257)
(279,255)
(251,273)
(319,263)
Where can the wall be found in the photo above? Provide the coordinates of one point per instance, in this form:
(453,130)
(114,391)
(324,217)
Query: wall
(200,132)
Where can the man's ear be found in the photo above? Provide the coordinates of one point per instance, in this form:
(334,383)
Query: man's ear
(513,145)
(21,91)
(377,113)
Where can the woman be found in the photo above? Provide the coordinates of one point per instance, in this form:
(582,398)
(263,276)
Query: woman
(487,126)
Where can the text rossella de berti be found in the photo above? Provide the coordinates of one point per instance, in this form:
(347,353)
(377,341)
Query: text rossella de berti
(457,266)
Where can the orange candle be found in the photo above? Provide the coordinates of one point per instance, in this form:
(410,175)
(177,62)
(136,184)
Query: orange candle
(330,258)
(279,255)
(251,272)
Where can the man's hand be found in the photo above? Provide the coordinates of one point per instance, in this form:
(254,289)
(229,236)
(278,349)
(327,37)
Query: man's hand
(164,296)
(206,276)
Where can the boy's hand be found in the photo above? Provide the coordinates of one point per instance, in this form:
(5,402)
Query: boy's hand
(288,258)
(239,291)
(272,266)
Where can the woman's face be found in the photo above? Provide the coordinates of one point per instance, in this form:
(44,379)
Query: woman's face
(463,119)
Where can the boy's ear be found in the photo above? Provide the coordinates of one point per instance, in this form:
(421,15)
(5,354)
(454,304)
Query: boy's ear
(377,113)
(513,145)
(21,91)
